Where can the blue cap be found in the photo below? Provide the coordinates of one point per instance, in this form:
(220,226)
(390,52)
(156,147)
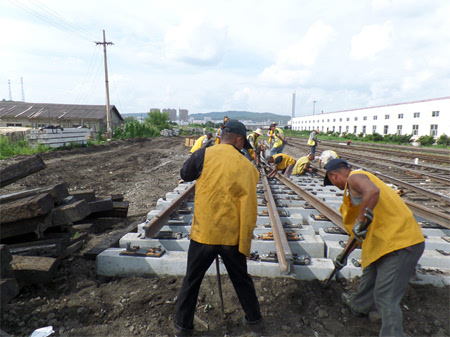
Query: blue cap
(332,165)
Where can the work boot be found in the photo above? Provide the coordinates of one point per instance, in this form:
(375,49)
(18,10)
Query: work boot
(255,328)
(178,332)
(346,299)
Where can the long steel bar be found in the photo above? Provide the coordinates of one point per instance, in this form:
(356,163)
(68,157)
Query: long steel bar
(284,254)
(155,225)
(440,218)
(318,204)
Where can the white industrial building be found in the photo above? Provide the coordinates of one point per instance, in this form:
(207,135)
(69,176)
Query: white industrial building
(420,118)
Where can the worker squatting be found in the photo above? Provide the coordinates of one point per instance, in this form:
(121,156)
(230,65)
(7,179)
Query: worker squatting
(225,217)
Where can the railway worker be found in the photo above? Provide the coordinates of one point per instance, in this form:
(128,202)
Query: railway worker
(203,141)
(282,162)
(276,135)
(223,223)
(312,141)
(391,245)
(326,156)
(253,140)
(303,165)
(219,134)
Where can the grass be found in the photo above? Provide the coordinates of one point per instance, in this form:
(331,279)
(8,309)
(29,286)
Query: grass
(21,147)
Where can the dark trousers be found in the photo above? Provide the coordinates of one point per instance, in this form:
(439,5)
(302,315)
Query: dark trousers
(200,257)
(313,149)
(383,284)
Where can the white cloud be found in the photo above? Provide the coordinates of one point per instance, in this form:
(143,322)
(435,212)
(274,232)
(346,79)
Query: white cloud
(196,40)
(370,41)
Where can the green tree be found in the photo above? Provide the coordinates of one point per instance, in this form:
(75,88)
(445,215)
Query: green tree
(128,119)
(158,119)
(444,140)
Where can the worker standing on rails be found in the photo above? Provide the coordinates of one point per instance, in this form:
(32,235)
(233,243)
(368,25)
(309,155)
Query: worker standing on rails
(219,134)
(282,162)
(224,218)
(391,245)
(312,141)
(326,156)
(277,135)
(303,165)
(253,140)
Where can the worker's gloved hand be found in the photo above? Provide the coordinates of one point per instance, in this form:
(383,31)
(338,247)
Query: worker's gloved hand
(340,262)
(360,234)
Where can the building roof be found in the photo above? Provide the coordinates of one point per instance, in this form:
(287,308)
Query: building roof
(58,111)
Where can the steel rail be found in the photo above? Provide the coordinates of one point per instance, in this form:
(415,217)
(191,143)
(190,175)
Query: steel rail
(161,219)
(284,253)
(329,212)
(432,215)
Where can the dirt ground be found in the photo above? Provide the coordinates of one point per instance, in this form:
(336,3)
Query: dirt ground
(77,302)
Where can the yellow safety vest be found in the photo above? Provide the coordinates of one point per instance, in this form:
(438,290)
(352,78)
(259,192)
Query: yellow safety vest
(393,226)
(197,144)
(251,151)
(225,199)
(217,141)
(311,142)
(285,162)
(299,167)
(278,142)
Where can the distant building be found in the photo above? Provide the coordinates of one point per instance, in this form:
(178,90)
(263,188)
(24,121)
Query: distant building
(155,110)
(191,120)
(36,115)
(172,114)
(183,115)
(419,118)
(207,119)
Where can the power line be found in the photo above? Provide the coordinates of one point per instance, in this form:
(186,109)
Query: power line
(91,67)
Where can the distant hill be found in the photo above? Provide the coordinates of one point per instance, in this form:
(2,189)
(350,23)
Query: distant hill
(242,115)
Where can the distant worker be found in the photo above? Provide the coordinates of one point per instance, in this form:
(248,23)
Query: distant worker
(391,245)
(303,165)
(219,134)
(253,140)
(225,120)
(282,162)
(224,219)
(208,141)
(278,139)
(200,142)
(204,131)
(312,141)
(326,156)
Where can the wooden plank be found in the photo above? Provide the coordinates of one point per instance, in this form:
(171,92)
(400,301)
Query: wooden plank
(70,213)
(99,205)
(33,269)
(110,241)
(22,227)
(119,210)
(58,193)
(26,208)
(49,247)
(5,257)
(88,195)
(9,288)
(21,170)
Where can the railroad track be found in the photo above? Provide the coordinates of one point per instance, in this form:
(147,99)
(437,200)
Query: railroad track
(440,157)
(422,184)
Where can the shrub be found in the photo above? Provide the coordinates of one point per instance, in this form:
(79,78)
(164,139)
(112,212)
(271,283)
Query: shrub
(444,140)
(426,140)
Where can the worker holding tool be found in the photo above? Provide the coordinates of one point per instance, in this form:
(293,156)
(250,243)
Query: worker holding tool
(303,165)
(223,223)
(281,162)
(276,137)
(391,245)
(253,140)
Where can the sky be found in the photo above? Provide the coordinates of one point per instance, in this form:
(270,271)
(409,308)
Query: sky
(224,55)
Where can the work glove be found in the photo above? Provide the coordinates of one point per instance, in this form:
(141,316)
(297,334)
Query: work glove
(340,262)
(360,234)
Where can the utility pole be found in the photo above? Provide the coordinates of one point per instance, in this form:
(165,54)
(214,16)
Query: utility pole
(293,108)
(23,92)
(314,107)
(9,85)
(108,111)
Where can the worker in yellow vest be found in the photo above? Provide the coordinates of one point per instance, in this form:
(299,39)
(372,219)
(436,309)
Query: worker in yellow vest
(276,137)
(282,162)
(312,141)
(303,165)
(202,141)
(225,211)
(391,245)
(219,134)
(253,140)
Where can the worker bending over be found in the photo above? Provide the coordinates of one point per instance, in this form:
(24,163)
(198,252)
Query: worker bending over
(203,141)
(303,165)
(276,137)
(253,140)
(225,210)
(282,162)
(391,245)
(326,156)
